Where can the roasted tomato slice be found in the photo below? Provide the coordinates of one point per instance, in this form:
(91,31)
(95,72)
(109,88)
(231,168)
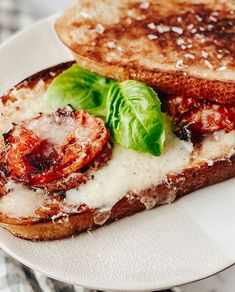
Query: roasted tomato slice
(209,119)
(50,147)
(200,116)
(178,105)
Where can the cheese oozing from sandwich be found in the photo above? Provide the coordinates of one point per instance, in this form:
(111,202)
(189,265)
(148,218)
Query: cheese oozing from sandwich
(126,171)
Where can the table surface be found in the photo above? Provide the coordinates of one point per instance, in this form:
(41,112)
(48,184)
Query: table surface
(16,15)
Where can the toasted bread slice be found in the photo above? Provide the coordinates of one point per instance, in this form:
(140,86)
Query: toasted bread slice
(181,169)
(180,47)
(189,180)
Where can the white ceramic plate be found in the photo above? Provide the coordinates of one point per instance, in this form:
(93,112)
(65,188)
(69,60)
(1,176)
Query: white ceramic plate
(168,246)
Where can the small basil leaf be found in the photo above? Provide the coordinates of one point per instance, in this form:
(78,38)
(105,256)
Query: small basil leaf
(134,117)
(79,88)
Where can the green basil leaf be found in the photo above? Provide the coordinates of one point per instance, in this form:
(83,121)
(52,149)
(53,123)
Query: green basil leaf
(81,89)
(134,117)
(131,108)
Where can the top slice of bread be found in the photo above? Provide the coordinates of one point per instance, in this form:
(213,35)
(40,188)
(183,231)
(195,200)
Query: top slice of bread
(180,47)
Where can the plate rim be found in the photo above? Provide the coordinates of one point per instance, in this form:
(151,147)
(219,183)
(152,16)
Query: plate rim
(84,285)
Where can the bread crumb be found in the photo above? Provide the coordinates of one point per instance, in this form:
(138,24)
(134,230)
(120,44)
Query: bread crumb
(204,54)
(198,18)
(177,29)
(212,18)
(180,64)
(85,14)
(111,45)
(151,25)
(179,19)
(208,64)
(190,56)
(152,37)
(99,28)
(222,68)
(180,41)
(190,26)
(144,5)
(163,28)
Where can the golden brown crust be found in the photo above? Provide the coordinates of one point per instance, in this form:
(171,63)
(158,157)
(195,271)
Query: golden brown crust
(191,53)
(52,230)
(46,75)
(175,82)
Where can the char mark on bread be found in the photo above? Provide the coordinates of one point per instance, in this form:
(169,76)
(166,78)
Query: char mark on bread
(182,48)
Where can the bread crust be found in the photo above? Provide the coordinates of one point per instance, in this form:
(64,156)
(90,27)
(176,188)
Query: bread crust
(171,82)
(175,186)
(181,48)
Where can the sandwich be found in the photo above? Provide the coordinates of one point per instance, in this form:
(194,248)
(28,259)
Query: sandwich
(145,115)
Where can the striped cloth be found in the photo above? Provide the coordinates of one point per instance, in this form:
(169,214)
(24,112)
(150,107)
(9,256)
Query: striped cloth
(18,14)
(12,18)
(15,277)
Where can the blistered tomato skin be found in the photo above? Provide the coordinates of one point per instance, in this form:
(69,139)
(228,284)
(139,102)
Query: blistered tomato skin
(37,156)
(200,116)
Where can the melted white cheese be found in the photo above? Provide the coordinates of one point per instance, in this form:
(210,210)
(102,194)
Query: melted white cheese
(27,105)
(130,171)
(54,130)
(219,144)
(21,201)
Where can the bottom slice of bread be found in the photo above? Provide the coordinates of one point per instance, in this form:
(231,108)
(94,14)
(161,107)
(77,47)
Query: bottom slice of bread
(210,162)
(178,185)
